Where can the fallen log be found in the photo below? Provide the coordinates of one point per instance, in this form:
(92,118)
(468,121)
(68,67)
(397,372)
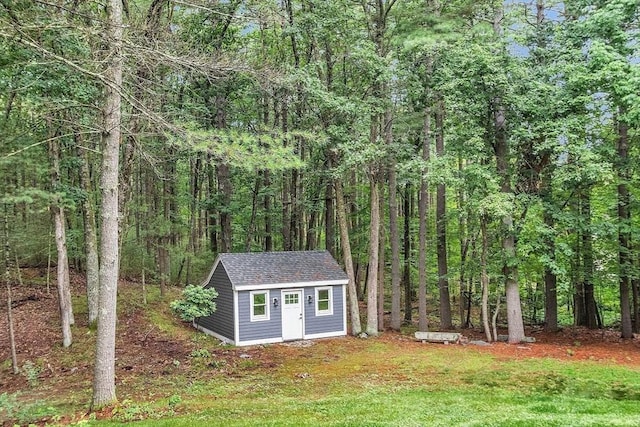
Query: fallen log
(438,337)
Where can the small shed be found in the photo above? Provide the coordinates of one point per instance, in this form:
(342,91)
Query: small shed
(273,297)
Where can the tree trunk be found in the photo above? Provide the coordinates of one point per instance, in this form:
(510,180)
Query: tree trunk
(7,281)
(268,238)
(394,237)
(104,390)
(441,228)
(590,319)
(329,217)
(484,278)
(287,243)
(212,213)
(254,209)
(406,275)
(382,241)
(354,309)
(514,308)
(465,292)
(90,240)
(64,296)
(501,148)
(423,205)
(624,225)
(372,273)
(550,278)
(635,290)
(225,189)
(64,293)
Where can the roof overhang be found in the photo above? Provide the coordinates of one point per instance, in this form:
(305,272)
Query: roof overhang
(290,285)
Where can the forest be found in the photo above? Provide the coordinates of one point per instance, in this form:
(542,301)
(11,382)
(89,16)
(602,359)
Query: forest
(467,162)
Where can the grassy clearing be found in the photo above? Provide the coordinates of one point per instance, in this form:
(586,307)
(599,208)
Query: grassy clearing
(388,381)
(377,383)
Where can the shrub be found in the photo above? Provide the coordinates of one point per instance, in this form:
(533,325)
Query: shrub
(31,372)
(201,353)
(196,301)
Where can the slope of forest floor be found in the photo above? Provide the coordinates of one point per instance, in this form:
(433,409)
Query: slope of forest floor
(154,347)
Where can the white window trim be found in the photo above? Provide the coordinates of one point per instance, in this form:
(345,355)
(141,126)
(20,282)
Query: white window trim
(267,313)
(328,312)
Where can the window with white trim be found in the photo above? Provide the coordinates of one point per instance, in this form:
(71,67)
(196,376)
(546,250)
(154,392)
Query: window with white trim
(324,301)
(259,305)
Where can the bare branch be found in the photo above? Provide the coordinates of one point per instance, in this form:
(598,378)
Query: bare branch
(44,141)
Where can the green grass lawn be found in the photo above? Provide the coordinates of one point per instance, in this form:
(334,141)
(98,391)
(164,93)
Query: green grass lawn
(382,383)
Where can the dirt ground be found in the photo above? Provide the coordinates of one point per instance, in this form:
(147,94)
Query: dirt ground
(144,350)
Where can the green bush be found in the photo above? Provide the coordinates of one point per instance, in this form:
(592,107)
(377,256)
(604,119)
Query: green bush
(31,372)
(200,353)
(196,301)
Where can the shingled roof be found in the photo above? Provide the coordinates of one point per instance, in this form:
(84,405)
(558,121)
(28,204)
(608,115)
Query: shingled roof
(264,268)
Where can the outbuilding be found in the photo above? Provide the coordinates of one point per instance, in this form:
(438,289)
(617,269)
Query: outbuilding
(272,297)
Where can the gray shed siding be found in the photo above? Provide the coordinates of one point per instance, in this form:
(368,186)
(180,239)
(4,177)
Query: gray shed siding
(220,322)
(323,324)
(263,329)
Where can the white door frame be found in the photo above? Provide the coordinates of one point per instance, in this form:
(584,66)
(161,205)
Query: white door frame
(292,315)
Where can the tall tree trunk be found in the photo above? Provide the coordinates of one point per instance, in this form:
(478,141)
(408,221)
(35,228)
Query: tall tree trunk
(441,227)
(329,215)
(293,194)
(7,281)
(394,235)
(211,209)
(254,209)
(624,221)
(382,263)
(372,273)
(90,240)
(354,309)
(550,278)
(268,237)
(64,292)
(635,290)
(193,216)
(379,11)
(510,269)
(287,242)
(314,234)
(484,278)
(464,248)
(546,195)
(590,308)
(104,389)
(225,190)
(165,238)
(514,308)
(164,264)
(406,275)
(423,205)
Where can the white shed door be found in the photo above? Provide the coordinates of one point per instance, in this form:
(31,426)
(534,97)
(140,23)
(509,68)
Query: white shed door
(292,315)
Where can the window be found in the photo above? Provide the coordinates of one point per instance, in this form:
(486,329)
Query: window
(259,305)
(291,298)
(324,305)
